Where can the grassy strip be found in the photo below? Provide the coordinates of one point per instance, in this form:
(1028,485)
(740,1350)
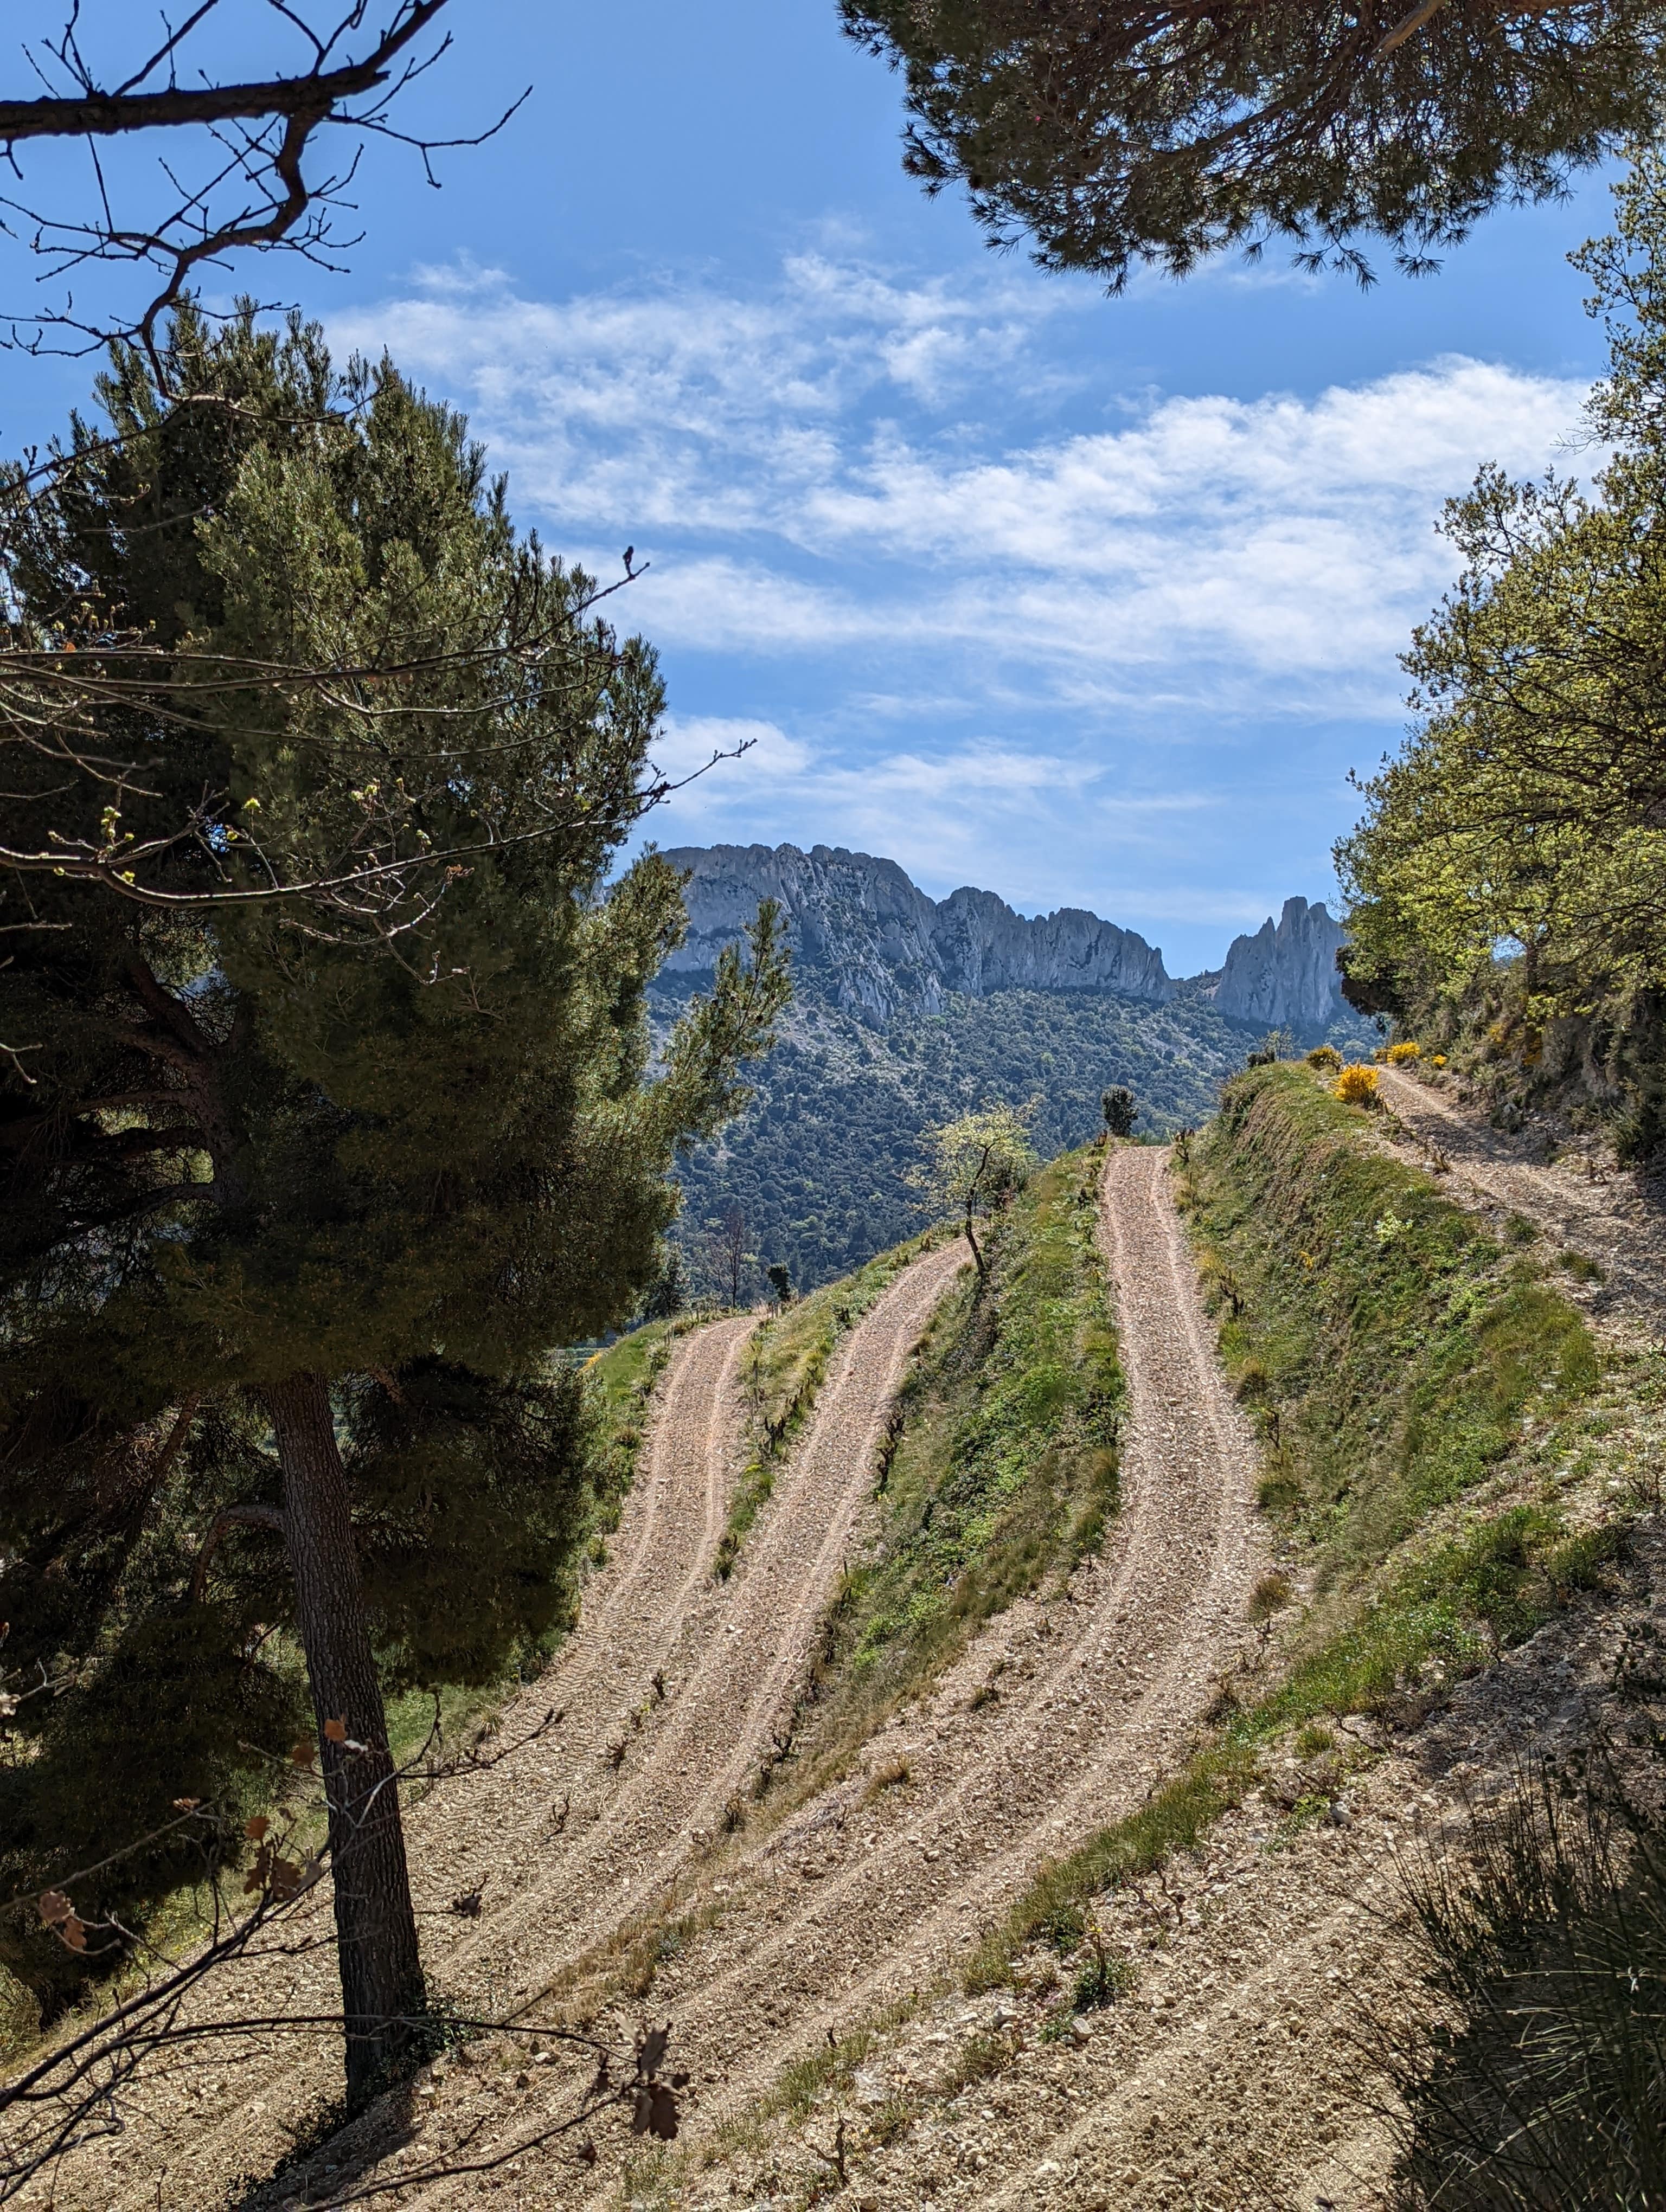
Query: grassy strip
(1442,1617)
(1391,1349)
(999,1470)
(785,1368)
(620,1381)
(1395,1355)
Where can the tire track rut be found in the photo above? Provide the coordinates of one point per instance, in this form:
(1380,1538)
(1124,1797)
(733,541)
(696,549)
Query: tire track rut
(1153,1625)
(896,1890)
(733,1652)
(494,1823)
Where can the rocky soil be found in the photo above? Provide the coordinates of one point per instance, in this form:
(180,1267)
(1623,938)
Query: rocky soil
(1609,1216)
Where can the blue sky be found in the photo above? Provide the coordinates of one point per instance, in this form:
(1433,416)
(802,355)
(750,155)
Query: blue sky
(1092,602)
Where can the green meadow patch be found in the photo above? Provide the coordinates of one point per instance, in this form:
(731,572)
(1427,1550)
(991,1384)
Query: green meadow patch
(999,1470)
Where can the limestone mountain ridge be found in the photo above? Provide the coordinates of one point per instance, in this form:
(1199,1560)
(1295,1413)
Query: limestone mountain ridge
(868,941)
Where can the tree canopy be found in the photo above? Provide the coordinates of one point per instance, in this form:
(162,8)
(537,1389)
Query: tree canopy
(1527,812)
(1113,135)
(975,1163)
(302,1191)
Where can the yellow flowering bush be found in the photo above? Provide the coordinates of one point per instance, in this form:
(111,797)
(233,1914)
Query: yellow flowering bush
(1325,1056)
(1356,1085)
(1399,1054)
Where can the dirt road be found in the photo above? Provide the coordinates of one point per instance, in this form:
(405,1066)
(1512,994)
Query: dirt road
(570,1837)
(866,1891)
(1610,1216)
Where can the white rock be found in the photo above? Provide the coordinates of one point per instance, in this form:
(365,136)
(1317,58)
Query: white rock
(1284,975)
(876,943)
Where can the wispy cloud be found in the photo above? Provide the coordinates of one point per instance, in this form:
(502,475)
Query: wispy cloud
(987,615)
(809,471)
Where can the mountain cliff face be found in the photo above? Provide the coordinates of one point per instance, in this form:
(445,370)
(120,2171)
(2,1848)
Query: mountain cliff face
(877,946)
(909,1009)
(1285,977)
(871,943)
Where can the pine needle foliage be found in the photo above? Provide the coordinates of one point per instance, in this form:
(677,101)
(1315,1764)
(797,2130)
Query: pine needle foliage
(300,1194)
(1109,136)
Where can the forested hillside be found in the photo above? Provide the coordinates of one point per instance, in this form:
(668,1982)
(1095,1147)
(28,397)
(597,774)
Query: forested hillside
(818,1164)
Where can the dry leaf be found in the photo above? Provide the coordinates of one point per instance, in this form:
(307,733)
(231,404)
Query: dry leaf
(662,2117)
(641,2116)
(285,1880)
(335,1731)
(255,1828)
(75,1933)
(301,1755)
(55,1908)
(186,1804)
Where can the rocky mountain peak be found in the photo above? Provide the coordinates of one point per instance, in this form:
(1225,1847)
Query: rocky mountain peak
(1285,977)
(873,943)
(866,939)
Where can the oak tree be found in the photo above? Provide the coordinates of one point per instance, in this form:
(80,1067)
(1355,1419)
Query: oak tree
(974,1164)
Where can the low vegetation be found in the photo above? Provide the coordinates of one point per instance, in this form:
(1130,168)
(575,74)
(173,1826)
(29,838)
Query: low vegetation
(1435,1423)
(819,1163)
(1390,1348)
(1000,1469)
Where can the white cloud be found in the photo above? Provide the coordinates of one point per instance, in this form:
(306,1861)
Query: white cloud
(991,616)
(795,462)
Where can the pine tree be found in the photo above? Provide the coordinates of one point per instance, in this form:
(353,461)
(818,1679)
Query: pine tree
(1110,135)
(301,1192)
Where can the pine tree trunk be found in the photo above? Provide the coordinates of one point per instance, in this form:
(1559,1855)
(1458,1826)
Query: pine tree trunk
(381,1972)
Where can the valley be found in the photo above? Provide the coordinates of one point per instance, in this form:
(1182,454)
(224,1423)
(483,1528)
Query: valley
(908,1013)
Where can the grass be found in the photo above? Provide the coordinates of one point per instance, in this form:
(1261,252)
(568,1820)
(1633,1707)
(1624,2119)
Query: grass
(1390,1347)
(620,1380)
(999,1471)
(1396,1357)
(1439,1432)
(786,1365)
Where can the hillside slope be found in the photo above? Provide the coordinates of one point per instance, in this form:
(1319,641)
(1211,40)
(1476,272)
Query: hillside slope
(818,1164)
(1453,1472)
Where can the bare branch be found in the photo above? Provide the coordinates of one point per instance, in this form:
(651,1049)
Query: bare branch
(259,190)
